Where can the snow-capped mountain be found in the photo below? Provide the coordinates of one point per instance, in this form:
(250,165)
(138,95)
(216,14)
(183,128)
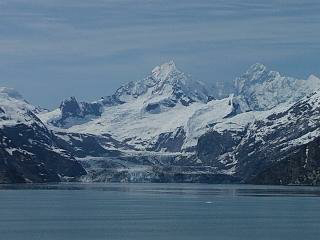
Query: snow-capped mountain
(168,128)
(166,86)
(14,109)
(261,89)
(168,102)
(263,140)
(165,103)
(28,151)
(73,112)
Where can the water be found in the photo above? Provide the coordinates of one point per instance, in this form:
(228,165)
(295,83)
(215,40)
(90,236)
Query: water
(158,211)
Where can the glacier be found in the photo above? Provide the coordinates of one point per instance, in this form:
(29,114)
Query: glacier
(168,127)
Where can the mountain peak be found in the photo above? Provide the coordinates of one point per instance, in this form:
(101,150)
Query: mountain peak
(70,107)
(262,89)
(163,71)
(257,67)
(164,82)
(256,74)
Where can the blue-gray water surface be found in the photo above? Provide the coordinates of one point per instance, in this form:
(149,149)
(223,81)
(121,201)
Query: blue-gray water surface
(158,211)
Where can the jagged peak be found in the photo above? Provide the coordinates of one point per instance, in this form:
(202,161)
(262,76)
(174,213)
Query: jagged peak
(256,73)
(257,67)
(263,89)
(259,72)
(68,101)
(164,70)
(165,79)
(70,107)
(10,92)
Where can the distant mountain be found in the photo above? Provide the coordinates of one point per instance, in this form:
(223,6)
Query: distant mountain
(168,127)
(145,113)
(261,89)
(166,86)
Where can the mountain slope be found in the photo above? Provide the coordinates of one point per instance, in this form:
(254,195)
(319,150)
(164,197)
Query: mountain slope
(271,139)
(143,111)
(261,89)
(167,128)
(28,152)
(166,85)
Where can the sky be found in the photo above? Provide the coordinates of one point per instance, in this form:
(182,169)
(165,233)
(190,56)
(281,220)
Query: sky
(53,49)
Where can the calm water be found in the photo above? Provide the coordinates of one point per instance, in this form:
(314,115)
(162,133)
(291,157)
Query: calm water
(158,211)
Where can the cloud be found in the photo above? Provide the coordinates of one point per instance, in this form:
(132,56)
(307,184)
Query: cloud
(57,42)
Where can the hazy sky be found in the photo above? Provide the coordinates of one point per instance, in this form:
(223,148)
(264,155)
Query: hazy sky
(52,49)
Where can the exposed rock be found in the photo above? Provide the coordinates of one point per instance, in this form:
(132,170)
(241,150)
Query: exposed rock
(171,141)
(29,154)
(300,167)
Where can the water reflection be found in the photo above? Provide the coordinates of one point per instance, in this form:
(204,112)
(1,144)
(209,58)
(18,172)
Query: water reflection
(177,189)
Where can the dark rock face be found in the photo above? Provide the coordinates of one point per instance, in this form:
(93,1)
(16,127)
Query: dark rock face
(91,108)
(301,166)
(157,107)
(28,154)
(236,109)
(180,96)
(153,108)
(211,98)
(71,108)
(216,149)
(268,140)
(219,143)
(82,145)
(171,141)
(214,144)
(45,166)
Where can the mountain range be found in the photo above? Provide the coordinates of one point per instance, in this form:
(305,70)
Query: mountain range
(168,127)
